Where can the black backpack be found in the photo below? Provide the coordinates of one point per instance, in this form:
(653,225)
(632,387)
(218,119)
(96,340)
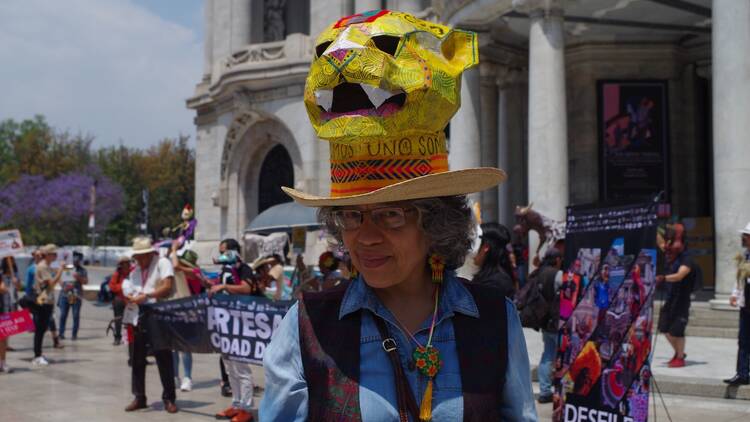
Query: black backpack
(105,295)
(533,308)
(697,277)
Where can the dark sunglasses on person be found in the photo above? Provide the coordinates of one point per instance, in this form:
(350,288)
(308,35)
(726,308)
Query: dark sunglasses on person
(385,218)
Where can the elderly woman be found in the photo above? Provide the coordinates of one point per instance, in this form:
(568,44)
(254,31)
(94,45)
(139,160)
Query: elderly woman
(406,339)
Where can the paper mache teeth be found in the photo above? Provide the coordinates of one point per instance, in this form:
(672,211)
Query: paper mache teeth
(377,96)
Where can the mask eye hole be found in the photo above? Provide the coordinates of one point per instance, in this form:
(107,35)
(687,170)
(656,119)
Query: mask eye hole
(321,48)
(386,43)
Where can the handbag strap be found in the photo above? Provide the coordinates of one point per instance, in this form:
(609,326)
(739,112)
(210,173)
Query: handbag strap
(406,402)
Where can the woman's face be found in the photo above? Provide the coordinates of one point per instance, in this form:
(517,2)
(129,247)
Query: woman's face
(123,266)
(388,256)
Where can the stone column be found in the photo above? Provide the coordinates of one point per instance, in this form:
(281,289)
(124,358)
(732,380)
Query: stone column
(240,29)
(509,134)
(464,127)
(548,145)
(220,30)
(367,5)
(408,6)
(488,99)
(208,38)
(730,38)
(323,13)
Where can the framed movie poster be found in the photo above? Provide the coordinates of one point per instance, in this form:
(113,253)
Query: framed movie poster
(633,140)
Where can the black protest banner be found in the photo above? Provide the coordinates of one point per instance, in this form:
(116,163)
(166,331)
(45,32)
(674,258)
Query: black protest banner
(240,327)
(602,370)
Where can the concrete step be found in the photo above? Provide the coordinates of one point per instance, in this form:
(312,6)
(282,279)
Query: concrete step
(713,332)
(703,310)
(714,322)
(708,322)
(699,387)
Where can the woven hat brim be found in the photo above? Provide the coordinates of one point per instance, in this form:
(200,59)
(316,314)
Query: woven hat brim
(143,251)
(450,183)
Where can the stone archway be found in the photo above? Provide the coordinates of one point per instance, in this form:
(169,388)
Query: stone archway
(276,171)
(258,139)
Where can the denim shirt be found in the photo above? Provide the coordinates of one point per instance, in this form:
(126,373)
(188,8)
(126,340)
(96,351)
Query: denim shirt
(286,394)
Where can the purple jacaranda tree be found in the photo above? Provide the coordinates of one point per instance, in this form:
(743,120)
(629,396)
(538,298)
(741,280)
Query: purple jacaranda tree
(57,209)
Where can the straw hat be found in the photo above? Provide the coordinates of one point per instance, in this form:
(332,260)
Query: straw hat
(746,230)
(189,258)
(142,245)
(48,249)
(261,261)
(123,258)
(383,87)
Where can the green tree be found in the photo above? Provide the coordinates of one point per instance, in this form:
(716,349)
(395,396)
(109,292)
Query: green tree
(166,171)
(169,171)
(121,165)
(23,147)
(31,148)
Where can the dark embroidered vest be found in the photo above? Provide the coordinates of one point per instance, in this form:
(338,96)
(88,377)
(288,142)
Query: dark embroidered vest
(331,364)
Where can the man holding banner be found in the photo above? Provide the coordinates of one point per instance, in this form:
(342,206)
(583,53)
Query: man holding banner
(236,279)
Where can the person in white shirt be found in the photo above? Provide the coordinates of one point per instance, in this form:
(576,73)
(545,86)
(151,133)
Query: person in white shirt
(741,298)
(151,280)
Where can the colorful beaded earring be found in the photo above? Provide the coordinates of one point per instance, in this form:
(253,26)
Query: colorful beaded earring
(437,265)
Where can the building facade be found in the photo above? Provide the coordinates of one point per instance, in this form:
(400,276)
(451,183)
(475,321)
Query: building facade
(579,101)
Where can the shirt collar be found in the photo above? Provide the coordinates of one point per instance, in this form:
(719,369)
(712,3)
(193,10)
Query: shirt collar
(454,298)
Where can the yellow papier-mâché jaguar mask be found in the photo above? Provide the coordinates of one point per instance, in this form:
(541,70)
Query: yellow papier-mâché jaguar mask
(382,88)
(385,74)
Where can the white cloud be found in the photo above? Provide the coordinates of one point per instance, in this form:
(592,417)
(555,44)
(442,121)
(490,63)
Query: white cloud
(105,67)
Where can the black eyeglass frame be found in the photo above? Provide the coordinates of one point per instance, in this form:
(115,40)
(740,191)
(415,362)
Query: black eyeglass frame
(379,222)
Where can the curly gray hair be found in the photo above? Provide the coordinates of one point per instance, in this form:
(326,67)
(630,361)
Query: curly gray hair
(447,221)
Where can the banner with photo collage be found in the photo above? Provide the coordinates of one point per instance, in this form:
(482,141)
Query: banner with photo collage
(602,369)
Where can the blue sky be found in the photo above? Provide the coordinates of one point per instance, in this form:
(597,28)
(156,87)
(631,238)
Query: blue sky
(119,70)
(188,13)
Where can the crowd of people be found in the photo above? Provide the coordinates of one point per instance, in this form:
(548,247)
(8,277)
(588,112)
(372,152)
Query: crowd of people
(39,297)
(387,330)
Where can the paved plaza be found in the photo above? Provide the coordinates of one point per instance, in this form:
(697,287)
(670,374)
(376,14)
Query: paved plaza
(89,380)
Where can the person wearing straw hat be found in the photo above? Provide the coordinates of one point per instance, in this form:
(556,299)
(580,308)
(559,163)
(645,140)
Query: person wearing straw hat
(152,279)
(406,338)
(45,281)
(189,281)
(741,298)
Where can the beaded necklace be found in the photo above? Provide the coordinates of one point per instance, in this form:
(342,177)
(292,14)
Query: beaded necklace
(426,359)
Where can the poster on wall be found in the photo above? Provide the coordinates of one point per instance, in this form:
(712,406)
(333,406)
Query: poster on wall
(602,369)
(633,139)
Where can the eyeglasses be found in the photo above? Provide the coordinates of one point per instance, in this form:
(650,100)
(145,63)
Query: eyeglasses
(385,218)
